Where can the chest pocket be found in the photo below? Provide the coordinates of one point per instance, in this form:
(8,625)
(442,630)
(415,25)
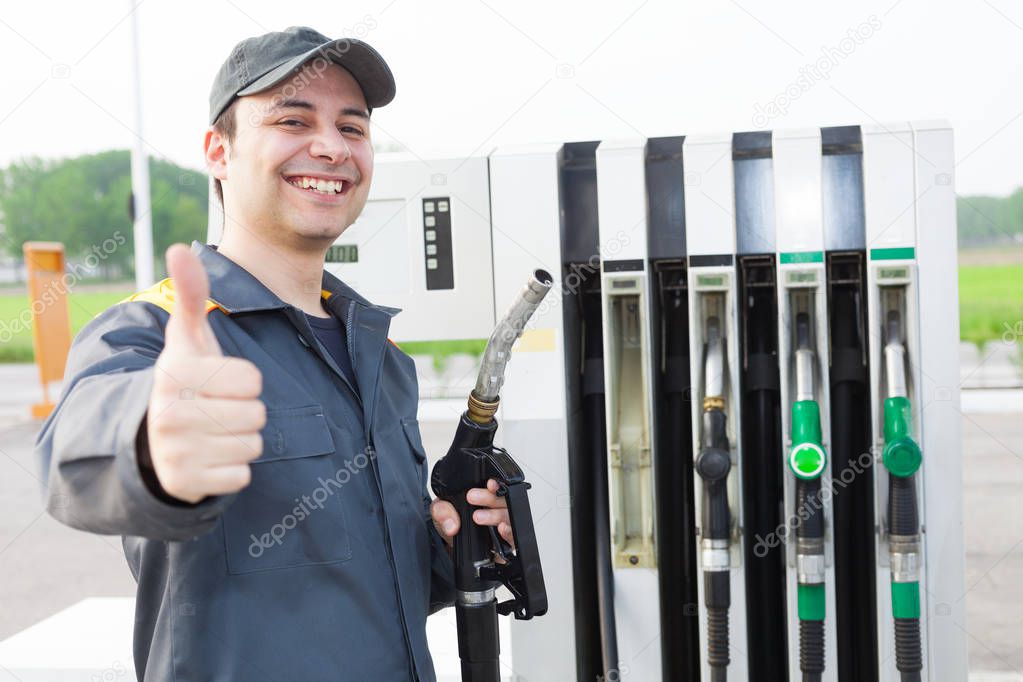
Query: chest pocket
(292,513)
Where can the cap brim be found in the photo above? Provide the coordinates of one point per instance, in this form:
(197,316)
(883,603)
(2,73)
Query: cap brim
(364,63)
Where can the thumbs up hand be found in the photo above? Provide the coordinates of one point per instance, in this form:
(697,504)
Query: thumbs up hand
(204,414)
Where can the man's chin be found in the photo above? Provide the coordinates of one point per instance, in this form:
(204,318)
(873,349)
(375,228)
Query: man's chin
(316,235)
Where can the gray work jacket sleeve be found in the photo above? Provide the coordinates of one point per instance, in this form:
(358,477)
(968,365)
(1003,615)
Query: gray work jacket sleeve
(88,448)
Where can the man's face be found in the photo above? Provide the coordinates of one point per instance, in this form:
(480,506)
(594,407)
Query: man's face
(299,168)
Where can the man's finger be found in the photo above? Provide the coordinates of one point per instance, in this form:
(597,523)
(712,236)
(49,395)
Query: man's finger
(225,480)
(490,517)
(229,449)
(219,377)
(213,416)
(225,417)
(445,518)
(482,497)
(204,450)
(188,328)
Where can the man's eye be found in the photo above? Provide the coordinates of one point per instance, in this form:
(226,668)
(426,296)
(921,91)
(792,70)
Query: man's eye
(291,122)
(351,129)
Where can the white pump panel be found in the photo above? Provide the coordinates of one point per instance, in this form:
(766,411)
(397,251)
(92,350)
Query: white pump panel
(889,198)
(802,283)
(625,285)
(423,244)
(532,413)
(711,242)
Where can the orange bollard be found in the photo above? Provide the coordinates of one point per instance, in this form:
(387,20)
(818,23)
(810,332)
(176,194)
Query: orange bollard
(51,322)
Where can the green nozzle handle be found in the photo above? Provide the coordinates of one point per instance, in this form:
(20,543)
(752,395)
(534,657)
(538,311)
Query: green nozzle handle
(901,456)
(807,458)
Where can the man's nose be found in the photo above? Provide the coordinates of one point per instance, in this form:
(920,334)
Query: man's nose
(330,145)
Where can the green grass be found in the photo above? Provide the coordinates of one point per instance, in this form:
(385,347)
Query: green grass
(990,302)
(442,350)
(17,336)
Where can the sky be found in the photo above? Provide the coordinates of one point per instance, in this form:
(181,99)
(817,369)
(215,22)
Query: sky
(474,75)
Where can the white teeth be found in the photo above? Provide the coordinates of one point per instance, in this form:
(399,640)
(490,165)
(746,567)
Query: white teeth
(325,186)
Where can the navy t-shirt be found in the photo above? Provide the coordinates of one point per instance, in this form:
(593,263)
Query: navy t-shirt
(331,333)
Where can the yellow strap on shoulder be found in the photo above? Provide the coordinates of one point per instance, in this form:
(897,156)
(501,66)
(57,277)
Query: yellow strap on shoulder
(162,294)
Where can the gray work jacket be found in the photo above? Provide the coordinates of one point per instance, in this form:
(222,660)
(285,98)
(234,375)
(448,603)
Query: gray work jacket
(326,566)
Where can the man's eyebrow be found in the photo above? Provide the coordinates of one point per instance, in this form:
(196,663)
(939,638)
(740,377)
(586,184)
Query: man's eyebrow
(309,106)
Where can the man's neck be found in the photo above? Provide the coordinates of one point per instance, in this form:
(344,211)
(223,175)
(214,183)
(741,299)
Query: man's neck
(293,276)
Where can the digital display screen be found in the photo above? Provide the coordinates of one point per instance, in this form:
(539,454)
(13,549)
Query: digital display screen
(893,273)
(710,280)
(343,253)
(802,277)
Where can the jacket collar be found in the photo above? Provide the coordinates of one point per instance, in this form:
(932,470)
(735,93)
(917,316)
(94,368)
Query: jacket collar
(236,290)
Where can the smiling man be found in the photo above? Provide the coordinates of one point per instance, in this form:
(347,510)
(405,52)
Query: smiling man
(246,425)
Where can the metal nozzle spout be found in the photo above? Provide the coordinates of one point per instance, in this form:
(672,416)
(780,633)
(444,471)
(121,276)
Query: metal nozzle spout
(895,357)
(498,350)
(714,364)
(804,359)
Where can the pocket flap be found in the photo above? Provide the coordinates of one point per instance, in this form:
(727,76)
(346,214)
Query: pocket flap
(415,439)
(294,432)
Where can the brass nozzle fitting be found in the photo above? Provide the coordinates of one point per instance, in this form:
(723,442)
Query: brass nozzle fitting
(480,411)
(713,402)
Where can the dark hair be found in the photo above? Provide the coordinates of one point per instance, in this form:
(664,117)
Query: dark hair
(225,125)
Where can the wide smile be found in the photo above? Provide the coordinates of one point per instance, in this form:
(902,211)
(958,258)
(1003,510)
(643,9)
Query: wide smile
(320,190)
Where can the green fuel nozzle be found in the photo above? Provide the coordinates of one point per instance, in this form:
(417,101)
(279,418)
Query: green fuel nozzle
(902,458)
(807,461)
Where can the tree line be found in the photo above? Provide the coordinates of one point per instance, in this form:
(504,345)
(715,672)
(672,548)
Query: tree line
(987,220)
(84,202)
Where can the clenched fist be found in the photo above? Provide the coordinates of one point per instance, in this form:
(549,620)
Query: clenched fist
(204,414)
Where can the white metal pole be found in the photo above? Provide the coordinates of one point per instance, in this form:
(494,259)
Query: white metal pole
(143,228)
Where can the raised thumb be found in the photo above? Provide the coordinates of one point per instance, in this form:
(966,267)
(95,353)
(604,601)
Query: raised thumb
(188,326)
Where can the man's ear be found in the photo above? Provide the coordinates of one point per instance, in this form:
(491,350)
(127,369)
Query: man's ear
(216,148)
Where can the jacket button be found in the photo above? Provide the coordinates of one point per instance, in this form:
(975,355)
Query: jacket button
(278,442)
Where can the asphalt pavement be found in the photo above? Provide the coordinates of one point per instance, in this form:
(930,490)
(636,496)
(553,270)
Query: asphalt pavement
(46,567)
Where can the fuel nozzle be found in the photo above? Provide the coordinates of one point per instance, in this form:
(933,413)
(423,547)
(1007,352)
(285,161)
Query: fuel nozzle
(807,461)
(713,464)
(902,458)
(482,559)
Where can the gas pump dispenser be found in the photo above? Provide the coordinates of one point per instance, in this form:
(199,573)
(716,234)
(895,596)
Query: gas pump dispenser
(534,416)
(914,388)
(803,362)
(716,407)
(791,291)
(630,404)
(895,384)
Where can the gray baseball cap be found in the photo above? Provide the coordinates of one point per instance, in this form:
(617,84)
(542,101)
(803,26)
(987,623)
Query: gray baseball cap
(262,62)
